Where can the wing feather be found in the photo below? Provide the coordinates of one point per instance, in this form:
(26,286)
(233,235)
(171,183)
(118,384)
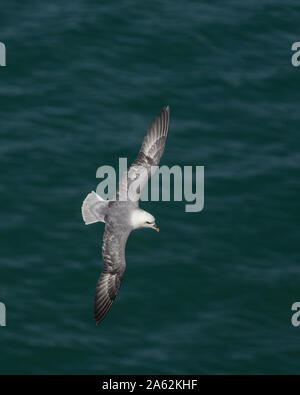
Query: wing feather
(108,285)
(148,157)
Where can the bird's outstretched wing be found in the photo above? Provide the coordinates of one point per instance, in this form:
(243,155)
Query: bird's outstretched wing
(113,253)
(149,156)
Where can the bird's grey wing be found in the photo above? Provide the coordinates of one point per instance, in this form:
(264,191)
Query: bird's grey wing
(113,253)
(149,156)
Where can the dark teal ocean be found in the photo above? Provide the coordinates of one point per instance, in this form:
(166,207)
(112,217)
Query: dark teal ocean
(212,292)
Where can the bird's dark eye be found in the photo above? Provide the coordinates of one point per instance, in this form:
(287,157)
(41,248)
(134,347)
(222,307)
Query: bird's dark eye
(147,222)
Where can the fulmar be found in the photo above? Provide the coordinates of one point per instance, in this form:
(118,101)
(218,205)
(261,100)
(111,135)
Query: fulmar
(122,214)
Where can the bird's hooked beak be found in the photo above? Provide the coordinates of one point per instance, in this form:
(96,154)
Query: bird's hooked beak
(155,227)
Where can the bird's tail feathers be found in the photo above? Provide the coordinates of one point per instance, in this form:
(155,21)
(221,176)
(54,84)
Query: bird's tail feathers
(93,208)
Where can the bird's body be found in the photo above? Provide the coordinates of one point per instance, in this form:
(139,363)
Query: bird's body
(122,214)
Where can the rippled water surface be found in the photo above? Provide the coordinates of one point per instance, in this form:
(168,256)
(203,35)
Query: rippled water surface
(212,292)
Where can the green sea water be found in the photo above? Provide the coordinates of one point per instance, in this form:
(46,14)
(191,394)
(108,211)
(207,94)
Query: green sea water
(212,292)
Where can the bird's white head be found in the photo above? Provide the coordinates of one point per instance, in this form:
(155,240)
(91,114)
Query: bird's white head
(142,219)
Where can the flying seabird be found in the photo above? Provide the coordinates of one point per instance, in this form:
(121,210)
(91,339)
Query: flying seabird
(122,214)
